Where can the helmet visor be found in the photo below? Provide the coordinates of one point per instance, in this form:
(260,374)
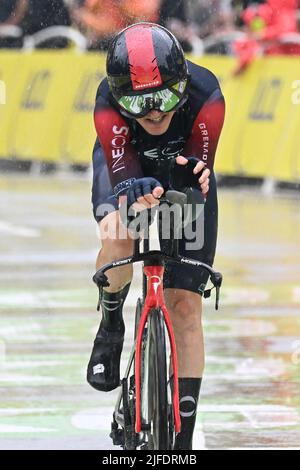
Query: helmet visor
(165,100)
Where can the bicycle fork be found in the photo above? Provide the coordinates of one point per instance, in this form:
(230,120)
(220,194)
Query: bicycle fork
(155,299)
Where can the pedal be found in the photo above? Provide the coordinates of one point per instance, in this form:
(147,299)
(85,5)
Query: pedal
(117,434)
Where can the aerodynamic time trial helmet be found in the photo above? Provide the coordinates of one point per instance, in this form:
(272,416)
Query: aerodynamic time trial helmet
(146,69)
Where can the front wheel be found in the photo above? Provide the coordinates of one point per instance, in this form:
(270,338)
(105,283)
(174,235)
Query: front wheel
(155,384)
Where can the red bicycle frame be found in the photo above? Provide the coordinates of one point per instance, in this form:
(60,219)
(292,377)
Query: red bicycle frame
(155,299)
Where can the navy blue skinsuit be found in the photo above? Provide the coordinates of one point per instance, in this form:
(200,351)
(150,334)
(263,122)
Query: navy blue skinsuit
(124,151)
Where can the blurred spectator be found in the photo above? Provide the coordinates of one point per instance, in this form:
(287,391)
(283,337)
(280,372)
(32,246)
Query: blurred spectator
(266,25)
(247,3)
(212,16)
(271,19)
(239,6)
(11,14)
(99,20)
(41,14)
(190,20)
(174,15)
(33,16)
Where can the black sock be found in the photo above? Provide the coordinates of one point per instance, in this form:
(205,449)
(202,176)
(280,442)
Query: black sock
(189,389)
(112,309)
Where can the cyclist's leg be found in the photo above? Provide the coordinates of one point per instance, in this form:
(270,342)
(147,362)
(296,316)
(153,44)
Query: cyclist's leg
(115,242)
(183,290)
(103,367)
(186,313)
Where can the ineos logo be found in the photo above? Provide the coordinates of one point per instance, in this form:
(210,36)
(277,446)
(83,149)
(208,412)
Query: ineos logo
(118,147)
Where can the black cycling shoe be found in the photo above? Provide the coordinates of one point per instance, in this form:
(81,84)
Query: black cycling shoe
(103,372)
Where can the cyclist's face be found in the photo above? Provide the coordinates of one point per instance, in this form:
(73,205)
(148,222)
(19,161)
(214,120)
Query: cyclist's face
(156,122)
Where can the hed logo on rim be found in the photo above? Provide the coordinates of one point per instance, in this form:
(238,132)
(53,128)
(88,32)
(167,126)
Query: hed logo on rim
(2,92)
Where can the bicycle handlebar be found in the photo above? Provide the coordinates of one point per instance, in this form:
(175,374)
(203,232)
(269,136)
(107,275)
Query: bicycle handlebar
(174,197)
(158,257)
(101,280)
(171,197)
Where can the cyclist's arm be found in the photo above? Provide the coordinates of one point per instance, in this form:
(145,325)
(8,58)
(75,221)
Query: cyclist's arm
(114,136)
(203,141)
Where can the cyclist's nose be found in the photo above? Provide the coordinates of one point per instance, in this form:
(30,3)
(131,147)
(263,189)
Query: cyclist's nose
(154,114)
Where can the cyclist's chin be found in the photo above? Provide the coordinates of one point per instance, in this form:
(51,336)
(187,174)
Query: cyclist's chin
(156,127)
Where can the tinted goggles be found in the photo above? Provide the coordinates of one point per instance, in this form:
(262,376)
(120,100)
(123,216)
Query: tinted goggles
(165,100)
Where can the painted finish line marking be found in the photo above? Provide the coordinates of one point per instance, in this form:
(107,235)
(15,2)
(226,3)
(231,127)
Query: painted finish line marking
(18,230)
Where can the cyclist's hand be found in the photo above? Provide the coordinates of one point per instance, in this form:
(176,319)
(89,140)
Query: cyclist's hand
(144,193)
(199,168)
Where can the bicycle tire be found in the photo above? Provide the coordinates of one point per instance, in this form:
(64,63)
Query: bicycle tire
(155,367)
(138,312)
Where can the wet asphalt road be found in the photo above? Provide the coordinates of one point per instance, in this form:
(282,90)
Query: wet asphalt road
(48,244)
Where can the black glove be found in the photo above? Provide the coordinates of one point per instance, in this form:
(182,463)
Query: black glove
(141,187)
(183,176)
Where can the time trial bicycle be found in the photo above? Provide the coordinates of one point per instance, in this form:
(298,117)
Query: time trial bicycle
(146,414)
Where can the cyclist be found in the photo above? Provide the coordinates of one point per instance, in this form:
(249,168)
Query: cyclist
(154,111)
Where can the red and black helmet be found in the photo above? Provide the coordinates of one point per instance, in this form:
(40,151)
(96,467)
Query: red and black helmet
(146,58)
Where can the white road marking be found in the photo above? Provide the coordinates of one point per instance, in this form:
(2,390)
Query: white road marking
(12,428)
(45,299)
(258,416)
(100,419)
(15,365)
(93,419)
(18,230)
(255,368)
(30,379)
(31,332)
(247,368)
(4,412)
(199,437)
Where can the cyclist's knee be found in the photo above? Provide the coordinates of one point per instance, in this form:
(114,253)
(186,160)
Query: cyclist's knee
(117,248)
(111,228)
(185,308)
(114,236)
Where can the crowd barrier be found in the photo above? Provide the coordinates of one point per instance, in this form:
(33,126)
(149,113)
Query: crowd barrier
(47,100)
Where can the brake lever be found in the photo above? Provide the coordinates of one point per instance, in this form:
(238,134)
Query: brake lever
(101,280)
(216,278)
